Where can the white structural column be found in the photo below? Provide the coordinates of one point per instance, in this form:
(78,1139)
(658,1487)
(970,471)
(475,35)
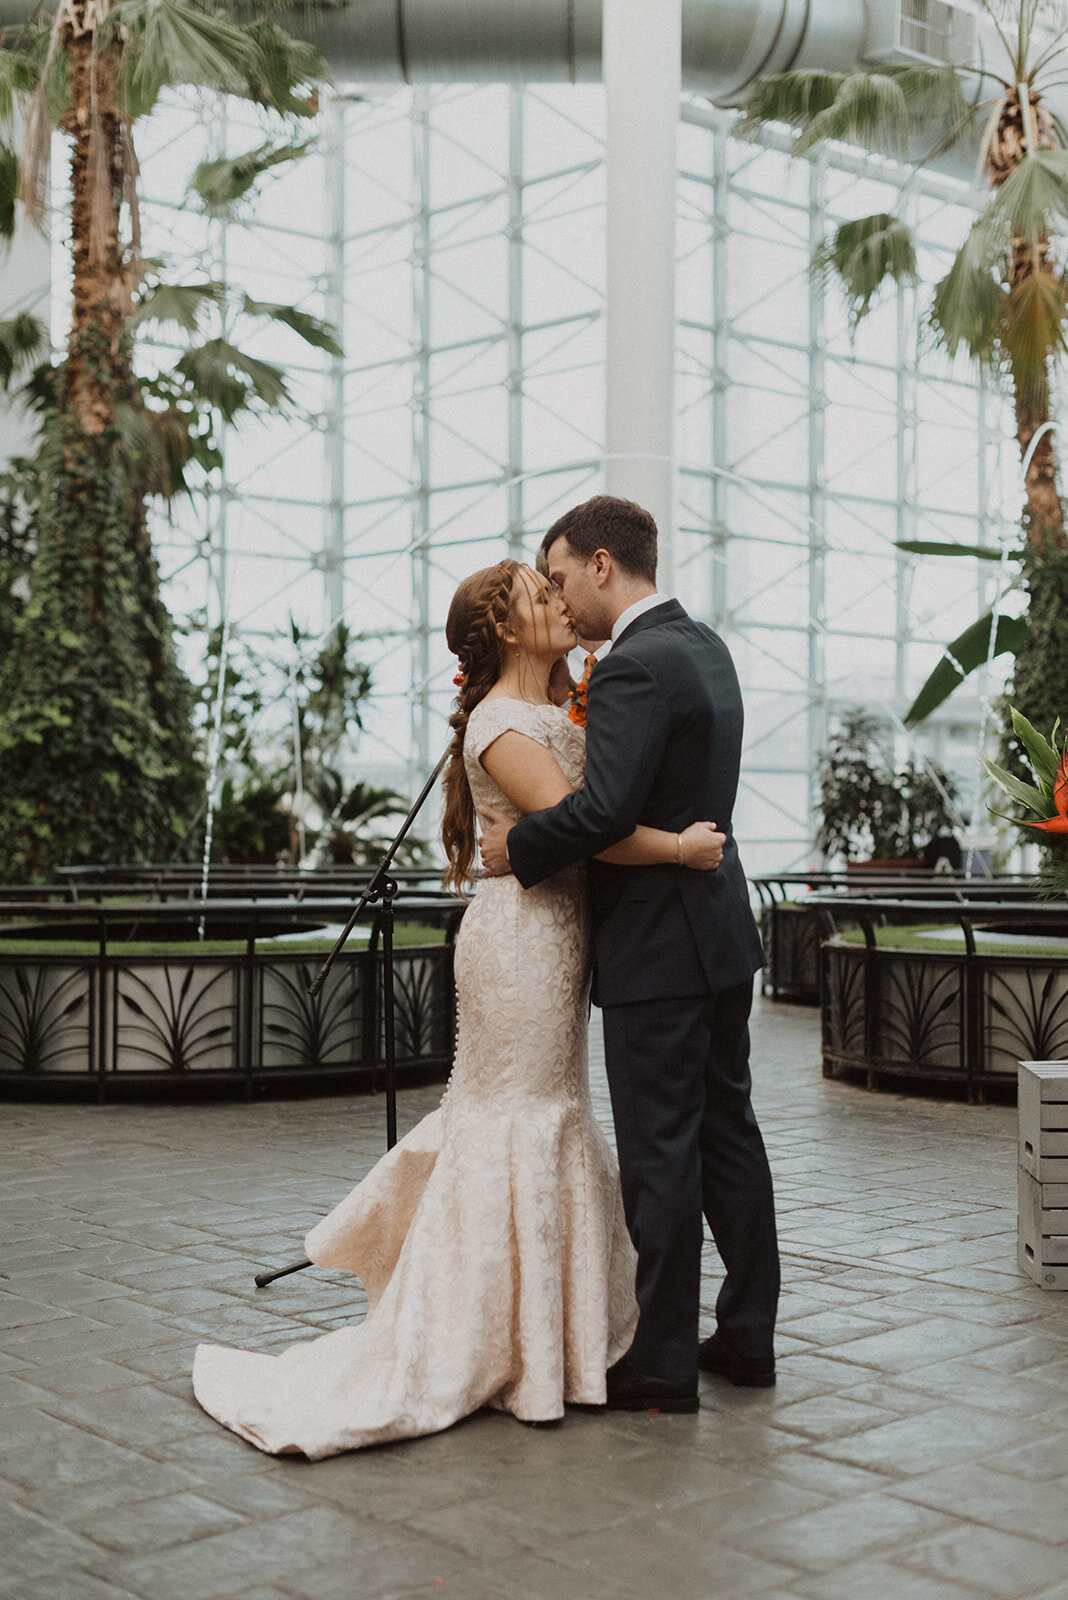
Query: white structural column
(642,76)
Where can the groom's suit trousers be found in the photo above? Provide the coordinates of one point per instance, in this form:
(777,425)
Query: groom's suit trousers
(678,1072)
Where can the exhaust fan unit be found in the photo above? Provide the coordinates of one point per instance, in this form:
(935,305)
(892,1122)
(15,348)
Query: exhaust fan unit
(932,31)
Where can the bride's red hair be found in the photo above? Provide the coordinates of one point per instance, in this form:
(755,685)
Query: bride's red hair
(474,631)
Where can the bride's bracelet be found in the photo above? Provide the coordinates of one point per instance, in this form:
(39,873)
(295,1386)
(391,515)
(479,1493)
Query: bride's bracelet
(679,838)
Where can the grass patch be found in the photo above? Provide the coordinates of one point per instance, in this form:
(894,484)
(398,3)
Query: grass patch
(208,947)
(926,938)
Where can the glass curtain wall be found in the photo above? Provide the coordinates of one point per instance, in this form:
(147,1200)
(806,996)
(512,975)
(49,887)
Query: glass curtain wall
(455,237)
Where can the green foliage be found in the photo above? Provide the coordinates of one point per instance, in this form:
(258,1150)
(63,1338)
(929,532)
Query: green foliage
(1046,759)
(864,254)
(333,685)
(1004,300)
(222,183)
(23,339)
(95,740)
(361,826)
(97,743)
(19,495)
(1033,200)
(868,808)
(173,424)
(9,184)
(168,43)
(877,109)
(231,381)
(316,333)
(250,824)
(255,819)
(1038,689)
(935,547)
(968,652)
(181,304)
(869,108)
(968,304)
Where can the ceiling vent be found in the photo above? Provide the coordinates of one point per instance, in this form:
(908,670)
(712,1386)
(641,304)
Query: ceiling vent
(933,31)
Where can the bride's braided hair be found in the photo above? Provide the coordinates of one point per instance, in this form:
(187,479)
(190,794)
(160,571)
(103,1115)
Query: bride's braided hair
(477,617)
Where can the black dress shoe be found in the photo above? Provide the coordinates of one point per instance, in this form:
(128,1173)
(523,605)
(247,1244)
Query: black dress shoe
(629,1390)
(748,1372)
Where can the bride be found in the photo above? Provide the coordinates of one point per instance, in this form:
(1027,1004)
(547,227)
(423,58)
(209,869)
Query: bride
(491,1239)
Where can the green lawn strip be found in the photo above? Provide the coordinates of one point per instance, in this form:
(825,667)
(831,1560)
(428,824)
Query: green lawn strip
(923,938)
(207,947)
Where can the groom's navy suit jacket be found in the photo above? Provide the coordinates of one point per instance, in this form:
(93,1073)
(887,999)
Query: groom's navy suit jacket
(663,746)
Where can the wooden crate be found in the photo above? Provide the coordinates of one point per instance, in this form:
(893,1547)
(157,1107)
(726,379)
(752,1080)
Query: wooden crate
(1042,1247)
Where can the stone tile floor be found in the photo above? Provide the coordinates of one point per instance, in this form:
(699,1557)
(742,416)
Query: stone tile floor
(916,1447)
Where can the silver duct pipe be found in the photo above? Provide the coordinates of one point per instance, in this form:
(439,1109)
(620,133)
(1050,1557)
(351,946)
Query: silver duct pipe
(725,43)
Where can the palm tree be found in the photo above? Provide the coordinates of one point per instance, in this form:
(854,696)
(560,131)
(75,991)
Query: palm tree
(1004,301)
(96,738)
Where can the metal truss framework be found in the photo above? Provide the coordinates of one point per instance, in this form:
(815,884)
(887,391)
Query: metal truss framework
(455,236)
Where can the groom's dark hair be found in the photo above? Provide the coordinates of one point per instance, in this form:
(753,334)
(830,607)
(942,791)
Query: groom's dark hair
(626,530)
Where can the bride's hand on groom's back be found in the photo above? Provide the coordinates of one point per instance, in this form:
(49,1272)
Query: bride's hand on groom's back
(702,846)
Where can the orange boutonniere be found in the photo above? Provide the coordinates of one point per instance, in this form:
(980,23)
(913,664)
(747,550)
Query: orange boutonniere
(578,691)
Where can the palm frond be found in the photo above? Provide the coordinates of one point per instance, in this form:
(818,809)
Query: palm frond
(178,303)
(932,94)
(1033,333)
(221,184)
(870,109)
(284,71)
(1034,197)
(794,98)
(320,335)
(366,801)
(155,448)
(864,254)
(23,341)
(230,380)
(20,73)
(968,306)
(167,43)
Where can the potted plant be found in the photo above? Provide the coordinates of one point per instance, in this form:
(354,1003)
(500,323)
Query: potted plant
(872,815)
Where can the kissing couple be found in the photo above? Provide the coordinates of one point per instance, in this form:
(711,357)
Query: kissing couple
(507,1260)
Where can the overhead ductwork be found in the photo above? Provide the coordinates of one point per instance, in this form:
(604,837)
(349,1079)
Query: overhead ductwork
(726,44)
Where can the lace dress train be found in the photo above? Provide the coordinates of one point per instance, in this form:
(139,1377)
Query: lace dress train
(491,1240)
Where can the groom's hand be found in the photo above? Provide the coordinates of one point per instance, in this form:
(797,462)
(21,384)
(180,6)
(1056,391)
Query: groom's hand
(493,845)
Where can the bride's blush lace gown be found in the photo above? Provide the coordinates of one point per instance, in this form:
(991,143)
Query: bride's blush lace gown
(491,1239)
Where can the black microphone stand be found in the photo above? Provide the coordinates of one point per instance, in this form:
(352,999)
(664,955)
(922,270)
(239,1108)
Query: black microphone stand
(382,887)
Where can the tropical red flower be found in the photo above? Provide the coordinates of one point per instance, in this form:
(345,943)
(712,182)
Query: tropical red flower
(1058,823)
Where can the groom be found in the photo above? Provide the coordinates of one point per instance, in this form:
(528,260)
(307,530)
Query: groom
(674,956)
